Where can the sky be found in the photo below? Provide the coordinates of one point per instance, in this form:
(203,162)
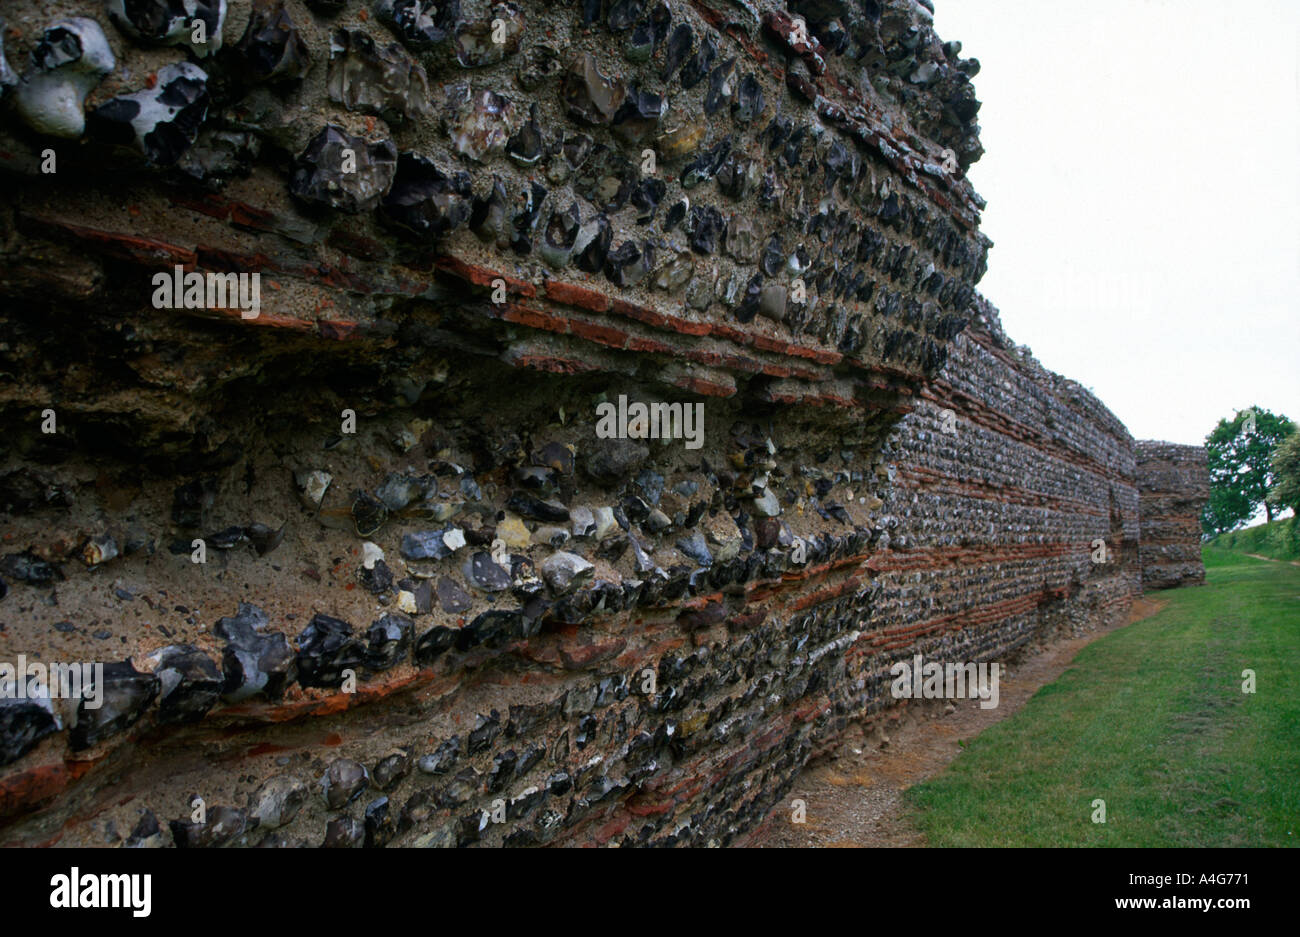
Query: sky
(1141,177)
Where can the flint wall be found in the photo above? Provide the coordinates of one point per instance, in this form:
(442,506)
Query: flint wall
(434,606)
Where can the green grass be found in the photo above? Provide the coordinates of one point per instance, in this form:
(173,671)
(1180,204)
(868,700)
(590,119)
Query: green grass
(1280,539)
(1153,720)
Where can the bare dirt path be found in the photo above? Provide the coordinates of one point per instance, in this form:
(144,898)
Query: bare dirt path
(855,798)
(1269,559)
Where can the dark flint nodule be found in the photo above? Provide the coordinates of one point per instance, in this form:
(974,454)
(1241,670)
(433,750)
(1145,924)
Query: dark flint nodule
(169,22)
(641,43)
(676,215)
(489,629)
(636,120)
(748,308)
(29,568)
(503,770)
(368,513)
(221,825)
(343,782)
(720,87)
(277,801)
(525,219)
(327,647)
(697,68)
(488,218)
(593,244)
(609,461)
(527,146)
(612,549)
(382,80)
(23,723)
(161,122)
(226,539)
(147,832)
(397,491)
(534,508)
(391,770)
(388,640)
(526,584)
(651,484)
(705,227)
(434,642)
(679,47)
(319,177)
(417,810)
(460,789)
(657,522)
(840,162)
(443,758)
(778,131)
(486,729)
(476,42)
(426,200)
(773,257)
(749,100)
(706,163)
(343,833)
(623,13)
(421,24)
(421,593)
(452,598)
(254,662)
(272,49)
(576,149)
(556,456)
(628,264)
(661,17)
(190,682)
(264,538)
(589,95)
(484,573)
(380,828)
(646,198)
(733,176)
(126,693)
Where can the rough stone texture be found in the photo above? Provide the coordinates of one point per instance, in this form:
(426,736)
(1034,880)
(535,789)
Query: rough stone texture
(1174,483)
(881,472)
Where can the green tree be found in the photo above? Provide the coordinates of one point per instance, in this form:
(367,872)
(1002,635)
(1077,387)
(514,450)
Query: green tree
(1240,456)
(1226,509)
(1286,466)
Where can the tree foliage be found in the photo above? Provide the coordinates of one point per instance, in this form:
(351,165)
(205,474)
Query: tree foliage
(1286,466)
(1240,455)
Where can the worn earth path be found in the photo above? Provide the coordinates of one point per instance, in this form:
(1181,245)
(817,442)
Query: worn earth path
(856,797)
(1269,559)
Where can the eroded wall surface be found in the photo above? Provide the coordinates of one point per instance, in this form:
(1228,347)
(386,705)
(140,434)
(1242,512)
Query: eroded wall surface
(363,565)
(1174,483)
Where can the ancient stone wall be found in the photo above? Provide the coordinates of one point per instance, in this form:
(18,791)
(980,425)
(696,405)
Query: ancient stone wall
(1174,483)
(361,556)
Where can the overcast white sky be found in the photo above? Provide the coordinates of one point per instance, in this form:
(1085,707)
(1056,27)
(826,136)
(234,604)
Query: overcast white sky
(1141,177)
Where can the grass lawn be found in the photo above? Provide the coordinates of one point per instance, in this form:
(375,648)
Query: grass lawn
(1152,719)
